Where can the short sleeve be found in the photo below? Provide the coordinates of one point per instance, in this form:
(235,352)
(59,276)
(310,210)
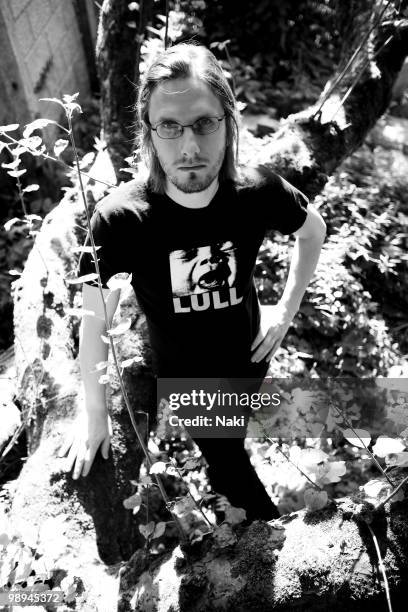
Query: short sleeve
(111,258)
(280,205)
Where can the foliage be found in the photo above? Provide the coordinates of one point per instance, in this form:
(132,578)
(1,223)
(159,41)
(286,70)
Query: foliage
(357,297)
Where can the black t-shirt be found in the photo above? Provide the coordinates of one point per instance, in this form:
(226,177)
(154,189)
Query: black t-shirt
(192,269)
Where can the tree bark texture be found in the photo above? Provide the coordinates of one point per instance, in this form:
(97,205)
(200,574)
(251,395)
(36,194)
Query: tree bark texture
(118,68)
(99,531)
(304,561)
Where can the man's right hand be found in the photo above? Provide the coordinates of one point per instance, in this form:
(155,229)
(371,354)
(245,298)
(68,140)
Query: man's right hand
(90,430)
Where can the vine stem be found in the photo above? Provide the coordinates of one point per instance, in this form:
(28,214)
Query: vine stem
(382,567)
(115,358)
(56,160)
(350,426)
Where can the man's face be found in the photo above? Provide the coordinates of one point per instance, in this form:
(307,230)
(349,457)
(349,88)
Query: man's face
(191,162)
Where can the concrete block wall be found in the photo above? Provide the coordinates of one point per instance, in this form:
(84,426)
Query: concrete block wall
(46,42)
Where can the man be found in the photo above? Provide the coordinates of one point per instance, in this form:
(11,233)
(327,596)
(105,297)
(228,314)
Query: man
(190,237)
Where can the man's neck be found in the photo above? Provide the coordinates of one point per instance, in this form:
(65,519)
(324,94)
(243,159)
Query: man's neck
(199,199)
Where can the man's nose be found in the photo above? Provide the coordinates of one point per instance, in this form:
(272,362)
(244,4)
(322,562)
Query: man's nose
(189,143)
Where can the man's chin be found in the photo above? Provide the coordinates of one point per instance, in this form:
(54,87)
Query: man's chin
(192,184)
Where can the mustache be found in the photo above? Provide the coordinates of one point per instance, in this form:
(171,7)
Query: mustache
(191,162)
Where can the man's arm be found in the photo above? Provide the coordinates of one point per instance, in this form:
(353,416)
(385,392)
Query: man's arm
(92,349)
(92,427)
(275,320)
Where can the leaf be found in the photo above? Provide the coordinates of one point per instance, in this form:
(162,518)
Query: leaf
(128,362)
(132,502)
(158,468)
(159,530)
(12,165)
(315,500)
(121,328)
(118,282)
(84,249)
(192,464)
(56,100)
(60,146)
(37,124)
(334,471)
(351,436)
(183,506)
(9,128)
(32,187)
(106,339)
(235,516)
(12,222)
(153,448)
(133,6)
(387,446)
(70,98)
(131,24)
(79,312)
(81,279)
(147,530)
(32,217)
(104,379)
(101,365)
(16,173)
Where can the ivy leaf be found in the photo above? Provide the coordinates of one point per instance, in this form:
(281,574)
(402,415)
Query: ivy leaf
(351,436)
(12,222)
(37,124)
(128,362)
(159,530)
(315,500)
(81,279)
(235,516)
(147,530)
(12,165)
(60,146)
(84,249)
(9,128)
(192,464)
(121,328)
(32,187)
(133,502)
(158,468)
(387,446)
(16,173)
(118,281)
(79,312)
(101,365)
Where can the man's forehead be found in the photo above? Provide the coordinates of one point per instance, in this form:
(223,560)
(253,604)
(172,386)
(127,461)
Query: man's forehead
(180,96)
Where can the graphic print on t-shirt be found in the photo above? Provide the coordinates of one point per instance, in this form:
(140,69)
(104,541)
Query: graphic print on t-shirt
(204,277)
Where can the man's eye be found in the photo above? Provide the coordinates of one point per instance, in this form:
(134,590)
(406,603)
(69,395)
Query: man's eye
(204,122)
(169,125)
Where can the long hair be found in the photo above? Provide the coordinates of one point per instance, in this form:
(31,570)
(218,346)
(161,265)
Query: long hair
(183,61)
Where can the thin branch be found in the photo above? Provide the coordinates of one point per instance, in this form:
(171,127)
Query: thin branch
(391,495)
(382,568)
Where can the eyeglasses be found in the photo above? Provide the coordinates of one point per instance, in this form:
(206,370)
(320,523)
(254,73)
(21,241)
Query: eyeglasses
(202,127)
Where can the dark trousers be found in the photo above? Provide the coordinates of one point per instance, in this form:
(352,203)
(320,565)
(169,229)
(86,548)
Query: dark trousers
(229,467)
(231,473)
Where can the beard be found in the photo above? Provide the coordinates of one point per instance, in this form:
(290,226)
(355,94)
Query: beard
(192,182)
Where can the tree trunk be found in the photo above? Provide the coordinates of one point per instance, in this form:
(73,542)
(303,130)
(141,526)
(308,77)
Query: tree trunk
(99,530)
(309,146)
(117,53)
(308,562)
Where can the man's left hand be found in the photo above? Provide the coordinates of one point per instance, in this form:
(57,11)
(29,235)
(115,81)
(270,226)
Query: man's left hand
(275,321)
